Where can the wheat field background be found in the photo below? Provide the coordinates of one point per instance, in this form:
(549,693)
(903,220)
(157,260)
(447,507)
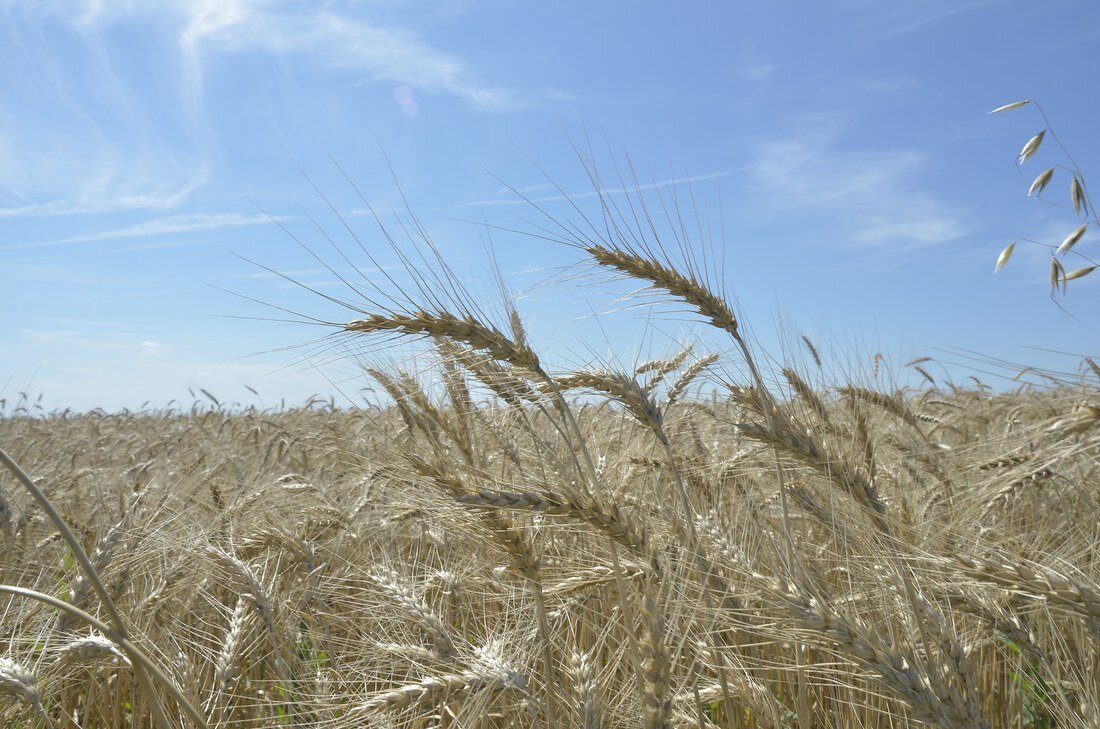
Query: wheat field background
(700,540)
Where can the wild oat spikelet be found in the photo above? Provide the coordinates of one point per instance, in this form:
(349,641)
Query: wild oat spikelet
(1041,182)
(1078,273)
(1031,147)
(1005,255)
(1009,107)
(1077,194)
(1072,238)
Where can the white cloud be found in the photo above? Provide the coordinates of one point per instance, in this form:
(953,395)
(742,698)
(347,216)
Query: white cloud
(755,69)
(104,200)
(150,348)
(51,168)
(873,197)
(57,207)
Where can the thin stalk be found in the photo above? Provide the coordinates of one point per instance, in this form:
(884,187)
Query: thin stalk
(1072,161)
(547,657)
(804,720)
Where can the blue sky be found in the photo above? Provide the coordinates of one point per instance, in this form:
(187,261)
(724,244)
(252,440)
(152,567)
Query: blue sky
(848,178)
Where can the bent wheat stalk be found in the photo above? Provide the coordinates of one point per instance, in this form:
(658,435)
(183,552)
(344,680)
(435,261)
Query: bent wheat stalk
(90,573)
(134,653)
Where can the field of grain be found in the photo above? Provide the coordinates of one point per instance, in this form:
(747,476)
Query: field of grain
(494,555)
(706,540)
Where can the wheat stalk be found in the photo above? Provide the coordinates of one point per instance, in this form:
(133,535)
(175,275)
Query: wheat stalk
(92,575)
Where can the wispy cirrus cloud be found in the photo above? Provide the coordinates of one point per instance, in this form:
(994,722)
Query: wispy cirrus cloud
(889,20)
(514,199)
(82,129)
(183,223)
(313,30)
(50,167)
(88,131)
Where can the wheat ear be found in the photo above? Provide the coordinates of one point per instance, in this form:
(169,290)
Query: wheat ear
(890,404)
(661,276)
(468,330)
(656,702)
(226,666)
(807,393)
(247,579)
(658,369)
(607,518)
(90,649)
(689,375)
(20,683)
(895,668)
(1036,580)
(435,689)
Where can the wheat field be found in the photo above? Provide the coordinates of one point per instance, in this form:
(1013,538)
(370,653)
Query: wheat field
(701,540)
